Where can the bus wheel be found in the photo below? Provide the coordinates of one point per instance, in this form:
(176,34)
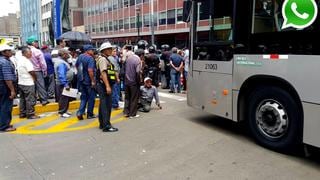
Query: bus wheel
(275,119)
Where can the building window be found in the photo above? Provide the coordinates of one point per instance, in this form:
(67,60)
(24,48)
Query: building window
(120,4)
(172,16)
(86,29)
(146,1)
(132,2)
(93,28)
(101,27)
(121,24)
(204,10)
(115,4)
(105,7)
(133,22)
(110,26)
(115,25)
(125,3)
(146,20)
(179,15)
(98,28)
(138,1)
(162,18)
(109,6)
(155,19)
(126,23)
(97,9)
(106,27)
(101,8)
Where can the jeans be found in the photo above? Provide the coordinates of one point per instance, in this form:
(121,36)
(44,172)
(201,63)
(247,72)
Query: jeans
(5,109)
(105,106)
(88,96)
(50,85)
(175,79)
(115,95)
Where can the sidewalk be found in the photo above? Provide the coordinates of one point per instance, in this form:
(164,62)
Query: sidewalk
(52,107)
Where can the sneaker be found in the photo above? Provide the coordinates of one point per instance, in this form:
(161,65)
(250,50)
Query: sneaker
(65,115)
(136,116)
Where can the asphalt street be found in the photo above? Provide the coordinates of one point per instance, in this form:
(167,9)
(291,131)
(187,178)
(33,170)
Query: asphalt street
(176,142)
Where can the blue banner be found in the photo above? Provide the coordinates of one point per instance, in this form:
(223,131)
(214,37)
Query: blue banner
(57,18)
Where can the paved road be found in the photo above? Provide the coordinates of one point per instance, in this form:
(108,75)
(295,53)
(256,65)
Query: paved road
(174,143)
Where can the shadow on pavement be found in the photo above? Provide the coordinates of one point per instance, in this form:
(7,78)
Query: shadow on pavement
(240,130)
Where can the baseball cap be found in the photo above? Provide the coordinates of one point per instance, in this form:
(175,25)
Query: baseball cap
(147,79)
(88,47)
(31,39)
(44,47)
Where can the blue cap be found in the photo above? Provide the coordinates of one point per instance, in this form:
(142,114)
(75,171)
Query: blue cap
(88,47)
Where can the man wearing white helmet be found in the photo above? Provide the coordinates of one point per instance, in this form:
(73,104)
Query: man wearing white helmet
(106,78)
(7,83)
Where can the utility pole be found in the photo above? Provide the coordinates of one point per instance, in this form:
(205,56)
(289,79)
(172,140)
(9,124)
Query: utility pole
(138,22)
(152,23)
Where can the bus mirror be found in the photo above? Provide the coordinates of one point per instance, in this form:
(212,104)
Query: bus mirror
(186,10)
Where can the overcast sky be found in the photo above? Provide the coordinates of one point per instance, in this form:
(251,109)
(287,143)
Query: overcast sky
(9,6)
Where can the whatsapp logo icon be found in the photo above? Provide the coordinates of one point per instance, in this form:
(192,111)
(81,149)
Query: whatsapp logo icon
(299,13)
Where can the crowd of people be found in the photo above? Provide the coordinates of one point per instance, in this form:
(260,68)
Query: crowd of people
(33,74)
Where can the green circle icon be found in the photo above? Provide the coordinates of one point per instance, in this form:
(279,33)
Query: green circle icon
(299,13)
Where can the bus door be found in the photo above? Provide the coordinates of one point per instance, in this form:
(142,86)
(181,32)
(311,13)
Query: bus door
(210,79)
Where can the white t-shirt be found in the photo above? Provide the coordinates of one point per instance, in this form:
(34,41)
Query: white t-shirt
(24,66)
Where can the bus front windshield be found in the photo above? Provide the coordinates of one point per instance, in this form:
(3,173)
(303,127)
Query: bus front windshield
(214,22)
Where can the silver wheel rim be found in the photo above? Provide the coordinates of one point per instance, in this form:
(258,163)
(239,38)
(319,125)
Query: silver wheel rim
(272,119)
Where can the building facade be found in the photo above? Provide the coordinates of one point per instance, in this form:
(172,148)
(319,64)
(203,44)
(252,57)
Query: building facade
(46,8)
(12,25)
(30,19)
(123,21)
(76,15)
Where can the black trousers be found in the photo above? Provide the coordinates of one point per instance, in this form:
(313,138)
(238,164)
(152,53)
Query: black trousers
(63,100)
(105,106)
(131,100)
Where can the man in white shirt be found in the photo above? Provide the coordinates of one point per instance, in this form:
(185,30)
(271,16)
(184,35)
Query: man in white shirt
(26,83)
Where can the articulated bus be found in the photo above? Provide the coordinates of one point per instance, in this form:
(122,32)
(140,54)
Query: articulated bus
(258,61)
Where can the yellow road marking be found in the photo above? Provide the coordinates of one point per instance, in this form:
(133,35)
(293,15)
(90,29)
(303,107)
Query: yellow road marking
(63,126)
(39,122)
(17,120)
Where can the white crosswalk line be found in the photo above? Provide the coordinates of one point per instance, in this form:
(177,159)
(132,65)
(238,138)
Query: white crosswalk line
(171,96)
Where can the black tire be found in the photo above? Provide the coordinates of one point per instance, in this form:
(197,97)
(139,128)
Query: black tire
(292,136)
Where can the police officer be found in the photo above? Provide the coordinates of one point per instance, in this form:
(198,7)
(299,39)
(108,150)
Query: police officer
(106,77)
(165,56)
(142,44)
(8,80)
(152,66)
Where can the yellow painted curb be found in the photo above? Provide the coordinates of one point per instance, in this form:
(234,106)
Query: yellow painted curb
(52,107)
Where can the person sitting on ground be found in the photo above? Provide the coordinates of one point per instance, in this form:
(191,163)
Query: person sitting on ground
(147,93)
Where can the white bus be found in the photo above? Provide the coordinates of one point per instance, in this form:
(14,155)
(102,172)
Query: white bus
(258,61)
